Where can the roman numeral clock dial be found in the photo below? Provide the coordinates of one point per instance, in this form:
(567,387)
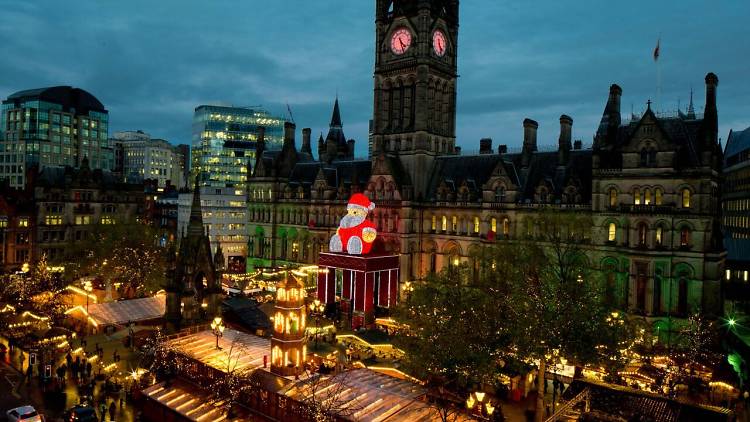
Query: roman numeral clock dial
(400,41)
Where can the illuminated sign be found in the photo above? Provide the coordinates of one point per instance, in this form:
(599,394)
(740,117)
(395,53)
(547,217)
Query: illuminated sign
(356,233)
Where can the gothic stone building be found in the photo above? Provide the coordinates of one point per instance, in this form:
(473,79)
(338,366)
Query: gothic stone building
(650,184)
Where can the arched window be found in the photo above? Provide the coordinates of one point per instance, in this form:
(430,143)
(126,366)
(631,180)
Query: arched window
(444,226)
(506,227)
(476,225)
(685,237)
(659,236)
(658,196)
(644,157)
(642,234)
(647,197)
(612,197)
(454,224)
(686,198)
(433,224)
(612,232)
(493,225)
(637,196)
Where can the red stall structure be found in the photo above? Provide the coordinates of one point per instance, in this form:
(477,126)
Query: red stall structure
(360,282)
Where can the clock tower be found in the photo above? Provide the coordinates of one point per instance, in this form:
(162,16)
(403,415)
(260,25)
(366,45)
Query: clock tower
(415,84)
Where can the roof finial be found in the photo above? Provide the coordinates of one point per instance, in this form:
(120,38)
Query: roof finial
(691,109)
(648,104)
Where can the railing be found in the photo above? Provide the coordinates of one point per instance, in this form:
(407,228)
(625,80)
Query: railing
(562,412)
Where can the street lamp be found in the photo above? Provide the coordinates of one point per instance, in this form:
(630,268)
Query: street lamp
(217,326)
(317,309)
(483,404)
(88,288)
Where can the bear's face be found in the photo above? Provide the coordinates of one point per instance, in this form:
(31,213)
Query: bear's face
(353,218)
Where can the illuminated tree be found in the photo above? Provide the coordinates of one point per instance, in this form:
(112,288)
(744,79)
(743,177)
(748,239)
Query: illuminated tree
(37,291)
(127,253)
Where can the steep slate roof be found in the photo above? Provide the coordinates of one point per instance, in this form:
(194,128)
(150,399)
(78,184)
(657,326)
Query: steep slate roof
(476,170)
(336,173)
(336,131)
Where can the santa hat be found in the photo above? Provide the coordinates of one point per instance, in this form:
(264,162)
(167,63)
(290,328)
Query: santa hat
(361,201)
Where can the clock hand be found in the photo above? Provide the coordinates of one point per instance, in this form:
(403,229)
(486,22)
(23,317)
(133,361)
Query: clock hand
(403,47)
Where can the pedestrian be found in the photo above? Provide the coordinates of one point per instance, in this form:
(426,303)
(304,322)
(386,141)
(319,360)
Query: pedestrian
(122,397)
(112,410)
(103,410)
(29,371)
(68,359)
(88,369)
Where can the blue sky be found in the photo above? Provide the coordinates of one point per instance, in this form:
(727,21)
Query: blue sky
(152,62)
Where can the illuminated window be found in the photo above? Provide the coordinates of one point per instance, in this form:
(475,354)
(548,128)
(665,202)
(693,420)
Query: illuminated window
(454,223)
(647,197)
(728,274)
(659,235)
(637,196)
(23,222)
(686,198)
(657,196)
(506,227)
(612,197)
(53,220)
(493,225)
(107,220)
(744,275)
(3,222)
(612,232)
(83,220)
(444,226)
(476,224)
(434,223)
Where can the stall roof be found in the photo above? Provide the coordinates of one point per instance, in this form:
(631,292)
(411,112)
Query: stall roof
(125,311)
(244,350)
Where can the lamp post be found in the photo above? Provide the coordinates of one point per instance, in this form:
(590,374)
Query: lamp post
(217,326)
(88,288)
(479,402)
(317,309)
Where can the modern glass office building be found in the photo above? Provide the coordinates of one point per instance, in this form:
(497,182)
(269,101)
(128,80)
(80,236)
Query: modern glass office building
(55,126)
(224,141)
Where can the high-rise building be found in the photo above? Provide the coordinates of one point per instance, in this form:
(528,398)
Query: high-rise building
(55,126)
(225,217)
(224,142)
(736,222)
(144,158)
(184,157)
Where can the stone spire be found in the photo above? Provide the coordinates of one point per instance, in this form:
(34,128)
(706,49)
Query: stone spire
(336,117)
(691,109)
(195,226)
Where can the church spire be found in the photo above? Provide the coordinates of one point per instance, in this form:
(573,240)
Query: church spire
(336,117)
(195,226)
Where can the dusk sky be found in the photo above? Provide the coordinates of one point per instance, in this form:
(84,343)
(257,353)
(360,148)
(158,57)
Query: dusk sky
(152,62)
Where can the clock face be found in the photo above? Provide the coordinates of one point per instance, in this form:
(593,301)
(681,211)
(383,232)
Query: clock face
(439,43)
(400,41)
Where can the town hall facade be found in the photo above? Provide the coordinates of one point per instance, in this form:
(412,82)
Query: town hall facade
(649,184)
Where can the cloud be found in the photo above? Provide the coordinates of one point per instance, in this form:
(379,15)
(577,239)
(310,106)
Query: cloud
(151,63)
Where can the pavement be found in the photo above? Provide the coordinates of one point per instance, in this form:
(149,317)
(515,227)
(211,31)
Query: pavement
(52,400)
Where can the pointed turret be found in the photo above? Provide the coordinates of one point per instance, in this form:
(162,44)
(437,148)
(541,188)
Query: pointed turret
(611,117)
(336,117)
(691,109)
(219,258)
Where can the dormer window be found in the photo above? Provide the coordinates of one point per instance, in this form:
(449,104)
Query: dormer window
(500,194)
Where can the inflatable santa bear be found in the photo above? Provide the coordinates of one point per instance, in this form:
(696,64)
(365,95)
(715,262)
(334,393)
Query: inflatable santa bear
(356,233)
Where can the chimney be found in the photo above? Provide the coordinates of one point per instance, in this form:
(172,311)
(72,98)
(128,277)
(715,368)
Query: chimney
(350,145)
(289,129)
(306,140)
(529,141)
(611,118)
(564,142)
(457,150)
(578,144)
(711,116)
(502,149)
(485,146)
